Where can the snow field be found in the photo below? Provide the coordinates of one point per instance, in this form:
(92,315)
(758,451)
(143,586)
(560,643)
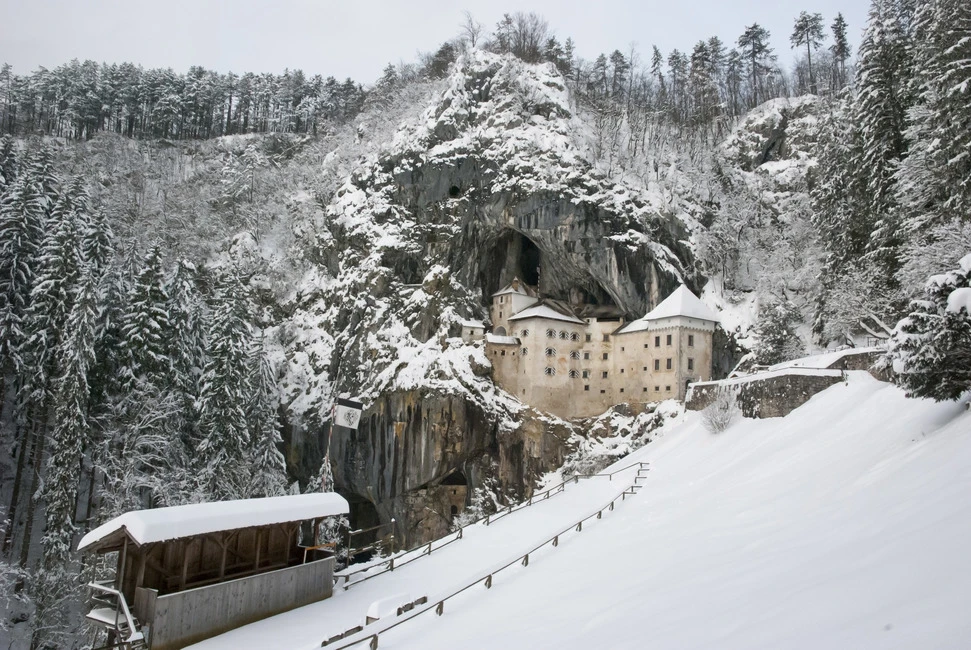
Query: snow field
(844,525)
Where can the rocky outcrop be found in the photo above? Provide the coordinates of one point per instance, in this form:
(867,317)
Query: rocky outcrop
(492,183)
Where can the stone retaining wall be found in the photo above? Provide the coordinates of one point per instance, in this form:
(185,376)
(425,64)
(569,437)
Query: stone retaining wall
(773,396)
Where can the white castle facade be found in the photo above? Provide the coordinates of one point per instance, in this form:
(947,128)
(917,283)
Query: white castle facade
(578,361)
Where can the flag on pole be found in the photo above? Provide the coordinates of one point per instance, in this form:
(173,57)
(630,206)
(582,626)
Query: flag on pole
(348,413)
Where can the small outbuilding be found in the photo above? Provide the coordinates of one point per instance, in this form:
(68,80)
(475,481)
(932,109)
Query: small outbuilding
(187,573)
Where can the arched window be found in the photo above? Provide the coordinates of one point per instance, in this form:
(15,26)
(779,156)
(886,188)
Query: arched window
(563,335)
(550,371)
(525,332)
(551,352)
(525,351)
(575,354)
(574,337)
(574,374)
(551,334)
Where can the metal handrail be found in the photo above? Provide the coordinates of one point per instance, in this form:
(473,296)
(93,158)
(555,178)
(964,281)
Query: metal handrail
(488,519)
(134,634)
(523,559)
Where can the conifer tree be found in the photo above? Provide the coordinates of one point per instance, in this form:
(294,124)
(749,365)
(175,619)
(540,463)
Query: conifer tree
(930,349)
(841,50)
(146,331)
(777,338)
(267,466)
(223,397)
(754,46)
(808,31)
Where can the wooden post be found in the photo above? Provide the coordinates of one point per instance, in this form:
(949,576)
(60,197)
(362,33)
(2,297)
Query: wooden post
(223,542)
(259,535)
(185,565)
(120,573)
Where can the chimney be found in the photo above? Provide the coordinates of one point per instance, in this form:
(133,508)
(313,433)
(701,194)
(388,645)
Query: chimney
(515,284)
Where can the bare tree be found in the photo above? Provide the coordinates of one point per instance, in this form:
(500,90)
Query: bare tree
(471,30)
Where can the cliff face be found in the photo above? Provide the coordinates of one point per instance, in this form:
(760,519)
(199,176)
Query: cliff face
(493,181)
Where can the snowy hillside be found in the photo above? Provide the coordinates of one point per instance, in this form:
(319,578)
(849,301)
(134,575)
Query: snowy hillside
(843,525)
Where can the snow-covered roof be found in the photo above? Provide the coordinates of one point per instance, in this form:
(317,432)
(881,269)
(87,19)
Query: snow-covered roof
(501,340)
(545,311)
(681,302)
(516,286)
(473,323)
(161,524)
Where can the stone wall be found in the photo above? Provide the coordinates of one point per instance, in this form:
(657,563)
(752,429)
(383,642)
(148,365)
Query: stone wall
(773,396)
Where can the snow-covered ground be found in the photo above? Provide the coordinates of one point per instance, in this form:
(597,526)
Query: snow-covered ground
(846,524)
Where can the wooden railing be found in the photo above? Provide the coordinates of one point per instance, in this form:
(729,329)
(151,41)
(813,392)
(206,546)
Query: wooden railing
(358,635)
(120,607)
(427,549)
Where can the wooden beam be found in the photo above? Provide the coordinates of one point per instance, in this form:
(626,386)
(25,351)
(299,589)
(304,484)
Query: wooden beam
(222,561)
(185,564)
(256,562)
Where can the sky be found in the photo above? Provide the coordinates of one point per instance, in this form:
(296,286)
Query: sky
(358,39)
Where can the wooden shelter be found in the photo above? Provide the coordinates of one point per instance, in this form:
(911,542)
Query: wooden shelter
(190,572)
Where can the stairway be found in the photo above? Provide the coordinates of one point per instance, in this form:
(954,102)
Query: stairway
(109,610)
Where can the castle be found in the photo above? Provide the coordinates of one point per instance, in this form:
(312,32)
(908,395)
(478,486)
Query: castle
(579,361)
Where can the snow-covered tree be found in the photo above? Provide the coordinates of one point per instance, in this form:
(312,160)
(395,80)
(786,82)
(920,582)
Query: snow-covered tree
(775,330)
(723,411)
(268,472)
(930,349)
(146,331)
(808,32)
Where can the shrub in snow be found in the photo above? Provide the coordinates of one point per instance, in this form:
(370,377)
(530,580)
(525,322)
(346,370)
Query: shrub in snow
(930,349)
(723,410)
(777,339)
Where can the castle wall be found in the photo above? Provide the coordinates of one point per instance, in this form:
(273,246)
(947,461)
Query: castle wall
(577,381)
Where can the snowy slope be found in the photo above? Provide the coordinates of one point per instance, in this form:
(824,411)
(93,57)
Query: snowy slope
(844,525)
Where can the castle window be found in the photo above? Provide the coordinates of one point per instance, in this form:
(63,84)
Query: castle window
(691,340)
(669,339)
(574,374)
(588,338)
(657,389)
(622,349)
(657,341)
(645,368)
(563,335)
(606,337)
(691,364)
(503,353)
(574,337)
(500,298)
(645,346)
(587,387)
(622,390)
(667,389)
(525,351)
(586,355)
(550,371)
(621,371)
(551,334)
(645,389)
(551,352)
(500,314)
(525,332)
(657,364)
(605,356)
(586,373)
(605,374)
(602,391)
(668,363)
(575,355)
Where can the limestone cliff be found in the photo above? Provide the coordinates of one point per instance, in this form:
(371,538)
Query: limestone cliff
(493,181)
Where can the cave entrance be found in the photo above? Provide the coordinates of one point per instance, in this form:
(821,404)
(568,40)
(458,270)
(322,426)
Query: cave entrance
(457,492)
(515,256)
(363,516)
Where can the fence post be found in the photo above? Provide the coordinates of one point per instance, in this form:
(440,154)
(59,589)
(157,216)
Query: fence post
(460,533)
(374,642)
(488,581)
(526,560)
(391,565)
(440,608)
(579,526)
(556,541)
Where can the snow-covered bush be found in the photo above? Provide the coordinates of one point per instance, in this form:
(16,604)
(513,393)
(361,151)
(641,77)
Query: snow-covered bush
(930,349)
(775,329)
(722,412)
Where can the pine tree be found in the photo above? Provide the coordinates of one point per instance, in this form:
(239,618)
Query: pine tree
(146,331)
(268,475)
(223,397)
(753,44)
(808,31)
(841,50)
(930,349)
(775,330)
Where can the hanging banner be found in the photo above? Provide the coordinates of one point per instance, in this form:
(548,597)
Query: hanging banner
(348,413)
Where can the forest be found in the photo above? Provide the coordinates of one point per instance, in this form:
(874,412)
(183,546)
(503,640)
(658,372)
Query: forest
(154,224)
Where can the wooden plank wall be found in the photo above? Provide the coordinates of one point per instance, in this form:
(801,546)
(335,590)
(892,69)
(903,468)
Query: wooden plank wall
(190,616)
